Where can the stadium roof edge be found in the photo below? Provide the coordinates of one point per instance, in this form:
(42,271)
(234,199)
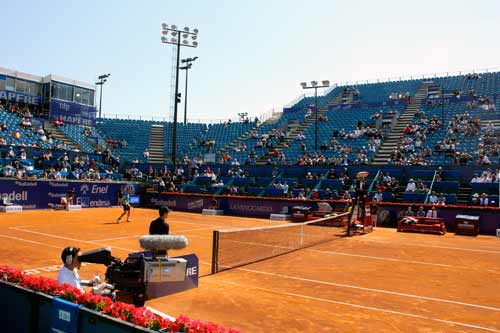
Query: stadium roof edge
(45,79)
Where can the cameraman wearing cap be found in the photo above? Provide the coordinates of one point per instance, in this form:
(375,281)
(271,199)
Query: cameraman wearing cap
(160,225)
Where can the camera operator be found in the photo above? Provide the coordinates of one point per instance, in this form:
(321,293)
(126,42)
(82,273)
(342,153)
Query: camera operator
(69,272)
(160,226)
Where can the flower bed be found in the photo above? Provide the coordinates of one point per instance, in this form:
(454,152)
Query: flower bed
(126,312)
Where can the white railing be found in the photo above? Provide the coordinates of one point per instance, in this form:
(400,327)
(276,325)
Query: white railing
(269,114)
(420,76)
(294,101)
(168,119)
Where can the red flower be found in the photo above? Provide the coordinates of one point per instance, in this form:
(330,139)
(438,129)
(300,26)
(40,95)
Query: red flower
(126,312)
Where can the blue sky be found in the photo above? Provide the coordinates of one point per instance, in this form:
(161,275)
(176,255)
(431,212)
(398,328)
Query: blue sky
(252,54)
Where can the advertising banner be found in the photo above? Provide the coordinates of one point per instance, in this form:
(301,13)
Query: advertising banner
(38,194)
(19,98)
(240,206)
(389,215)
(72,113)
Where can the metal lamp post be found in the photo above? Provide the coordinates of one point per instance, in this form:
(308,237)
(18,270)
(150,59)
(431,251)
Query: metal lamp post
(187,67)
(102,79)
(174,36)
(314,85)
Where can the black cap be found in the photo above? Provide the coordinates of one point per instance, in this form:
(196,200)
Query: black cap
(163,210)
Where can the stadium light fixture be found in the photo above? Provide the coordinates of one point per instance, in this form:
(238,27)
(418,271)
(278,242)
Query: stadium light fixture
(314,85)
(187,67)
(102,79)
(178,38)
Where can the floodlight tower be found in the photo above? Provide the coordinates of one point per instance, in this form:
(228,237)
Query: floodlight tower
(314,85)
(102,79)
(187,67)
(178,38)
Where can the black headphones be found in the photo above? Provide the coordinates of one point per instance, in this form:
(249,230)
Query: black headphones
(69,254)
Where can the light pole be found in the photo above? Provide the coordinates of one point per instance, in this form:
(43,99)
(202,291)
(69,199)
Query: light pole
(102,79)
(314,85)
(175,39)
(187,67)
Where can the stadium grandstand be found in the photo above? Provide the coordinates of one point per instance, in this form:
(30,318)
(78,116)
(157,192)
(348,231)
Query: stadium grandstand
(193,194)
(49,130)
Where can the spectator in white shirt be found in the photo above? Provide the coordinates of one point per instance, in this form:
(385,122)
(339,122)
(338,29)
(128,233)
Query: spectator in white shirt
(411,187)
(432,212)
(476,179)
(484,200)
(433,199)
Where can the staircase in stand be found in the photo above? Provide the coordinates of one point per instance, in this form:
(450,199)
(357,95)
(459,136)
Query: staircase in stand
(392,139)
(292,135)
(464,194)
(58,135)
(156,144)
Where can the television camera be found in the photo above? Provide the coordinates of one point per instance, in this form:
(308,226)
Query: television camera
(141,270)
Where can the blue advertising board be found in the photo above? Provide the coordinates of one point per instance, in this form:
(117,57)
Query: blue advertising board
(38,194)
(19,98)
(72,113)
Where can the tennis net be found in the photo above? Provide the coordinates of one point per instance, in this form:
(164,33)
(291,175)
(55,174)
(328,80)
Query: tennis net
(237,247)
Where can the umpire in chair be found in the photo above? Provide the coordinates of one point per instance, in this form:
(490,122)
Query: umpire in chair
(361,188)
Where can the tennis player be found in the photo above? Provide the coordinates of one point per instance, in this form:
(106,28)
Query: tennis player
(126,205)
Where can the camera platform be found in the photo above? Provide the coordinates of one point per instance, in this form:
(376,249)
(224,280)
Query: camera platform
(11,209)
(213,212)
(74,207)
(280,217)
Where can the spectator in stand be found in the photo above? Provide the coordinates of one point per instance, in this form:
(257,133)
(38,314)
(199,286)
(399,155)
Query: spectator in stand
(432,213)
(484,201)
(433,199)
(378,197)
(3,127)
(476,179)
(409,212)
(442,199)
(475,199)
(411,186)
(421,212)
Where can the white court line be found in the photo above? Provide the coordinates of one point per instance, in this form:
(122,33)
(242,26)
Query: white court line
(362,306)
(370,289)
(303,279)
(71,239)
(433,246)
(30,241)
(135,236)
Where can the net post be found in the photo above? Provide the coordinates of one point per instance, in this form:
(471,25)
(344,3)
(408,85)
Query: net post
(215,251)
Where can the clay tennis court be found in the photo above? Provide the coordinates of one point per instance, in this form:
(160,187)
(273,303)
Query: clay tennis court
(380,282)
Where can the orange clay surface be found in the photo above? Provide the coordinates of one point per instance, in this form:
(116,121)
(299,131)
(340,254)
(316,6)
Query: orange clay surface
(381,282)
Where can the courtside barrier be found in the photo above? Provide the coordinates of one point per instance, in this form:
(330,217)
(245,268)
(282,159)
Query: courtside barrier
(389,213)
(38,194)
(27,311)
(233,205)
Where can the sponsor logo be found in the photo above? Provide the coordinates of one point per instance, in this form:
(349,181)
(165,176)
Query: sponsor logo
(168,203)
(197,204)
(84,188)
(19,183)
(250,208)
(15,196)
(192,271)
(56,195)
(99,203)
(96,189)
(58,184)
